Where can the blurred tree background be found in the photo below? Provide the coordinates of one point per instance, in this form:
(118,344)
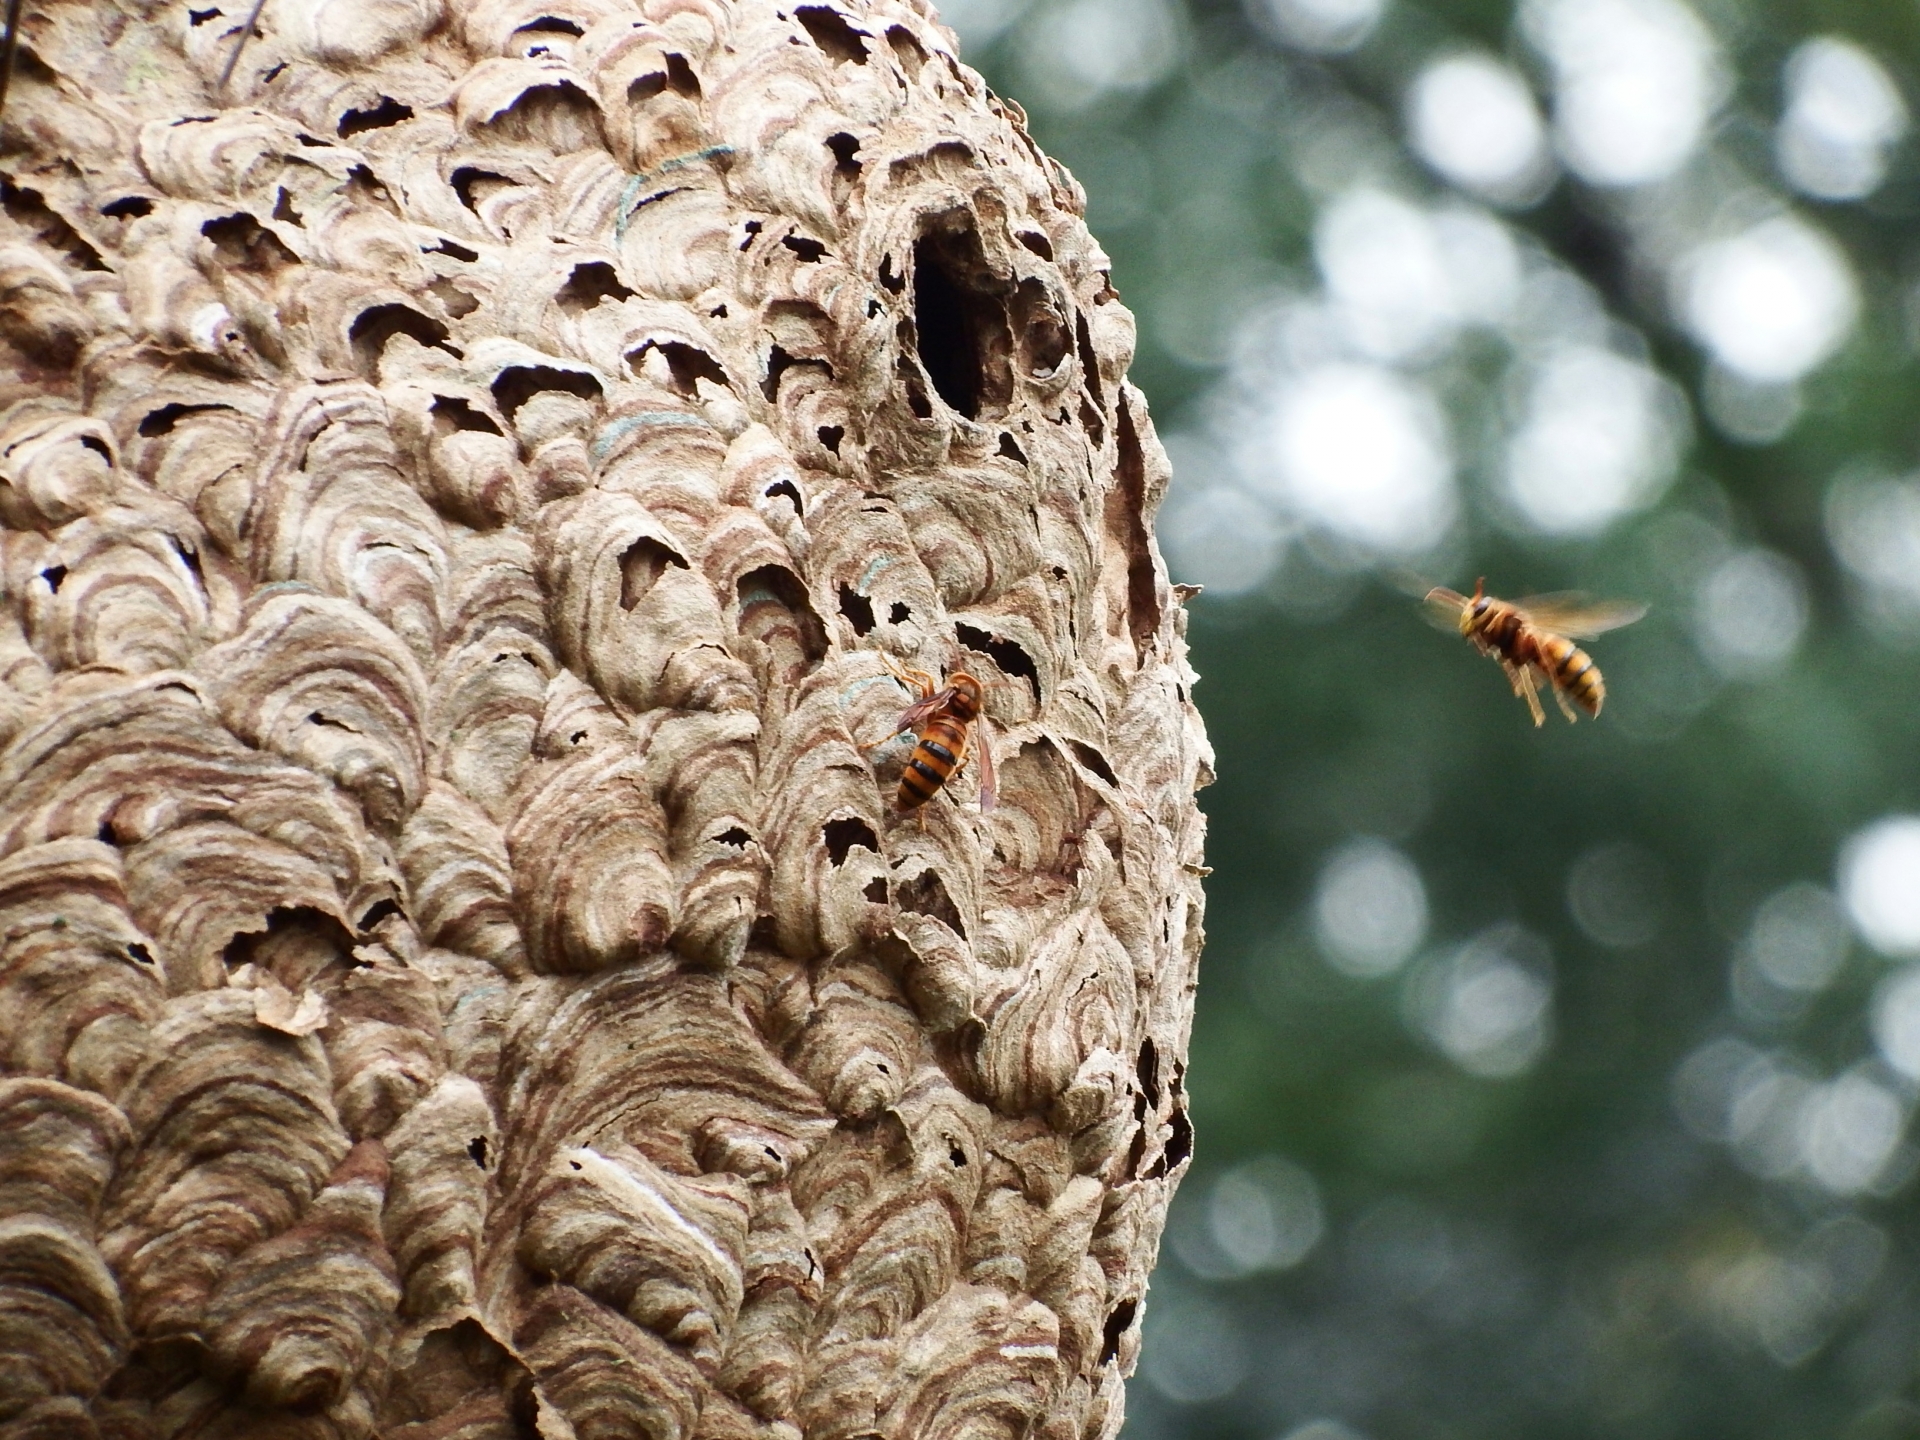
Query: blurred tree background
(1557,1082)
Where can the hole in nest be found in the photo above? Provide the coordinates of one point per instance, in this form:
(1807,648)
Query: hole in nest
(686,366)
(448,247)
(1010,448)
(517,384)
(551,25)
(926,894)
(1094,761)
(373,328)
(857,608)
(591,282)
(376,117)
(831,436)
(451,413)
(472,185)
(129,207)
(283,210)
(960,324)
(241,243)
(907,50)
(894,283)
(957,1156)
(299,927)
(844,147)
(1149,1069)
(1008,655)
(842,835)
(1118,1323)
(876,890)
(477,1151)
(792,493)
(830,31)
(1037,243)
(808,250)
(777,586)
(898,613)
(197,18)
(139,953)
(734,836)
(162,421)
(641,567)
(53,575)
(378,911)
(677,77)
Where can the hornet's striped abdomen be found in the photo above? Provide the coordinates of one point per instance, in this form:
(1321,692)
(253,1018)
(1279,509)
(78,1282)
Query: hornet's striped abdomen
(941,746)
(1572,672)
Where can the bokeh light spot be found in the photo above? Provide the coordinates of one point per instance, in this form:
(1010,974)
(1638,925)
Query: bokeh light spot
(1324,27)
(1369,909)
(1474,121)
(1850,1127)
(1798,939)
(1358,451)
(1880,884)
(1750,613)
(1771,302)
(1635,82)
(1843,113)
(1599,437)
(1192,1351)
(1896,1021)
(1487,1006)
(1616,895)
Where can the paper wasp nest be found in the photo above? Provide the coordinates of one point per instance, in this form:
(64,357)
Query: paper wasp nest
(461,975)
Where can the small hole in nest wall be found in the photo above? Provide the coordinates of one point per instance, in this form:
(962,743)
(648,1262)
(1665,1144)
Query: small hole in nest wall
(687,365)
(791,492)
(808,250)
(378,911)
(376,326)
(517,384)
(898,613)
(641,567)
(591,282)
(1011,449)
(451,248)
(734,836)
(845,148)
(907,50)
(129,207)
(477,1151)
(830,31)
(843,834)
(1007,654)
(830,437)
(375,117)
(1094,761)
(53,575)
(876,890)
(1037,243)
(857,608)
(1118,1323)
(451,413)
(162,421)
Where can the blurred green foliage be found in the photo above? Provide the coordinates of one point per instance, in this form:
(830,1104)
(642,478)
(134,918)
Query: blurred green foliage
(1556,1250)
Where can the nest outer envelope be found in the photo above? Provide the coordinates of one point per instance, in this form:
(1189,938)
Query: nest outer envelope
(460,972)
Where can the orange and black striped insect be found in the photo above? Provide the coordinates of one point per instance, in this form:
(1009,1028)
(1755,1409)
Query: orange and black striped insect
(949,729)
(1530,640)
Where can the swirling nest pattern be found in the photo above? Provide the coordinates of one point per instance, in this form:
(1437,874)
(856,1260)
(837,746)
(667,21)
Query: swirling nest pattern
(461,975)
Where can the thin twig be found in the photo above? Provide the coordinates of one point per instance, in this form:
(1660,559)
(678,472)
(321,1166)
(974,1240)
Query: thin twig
(246,30)
(8,49)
